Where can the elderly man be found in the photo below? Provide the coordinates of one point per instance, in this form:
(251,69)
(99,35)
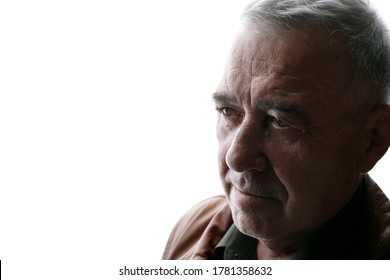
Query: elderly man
(302,118)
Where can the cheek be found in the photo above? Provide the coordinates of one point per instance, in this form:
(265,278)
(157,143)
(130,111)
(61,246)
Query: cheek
(288,163)
(287,153)
(297,167)
(308,170)
(301,174)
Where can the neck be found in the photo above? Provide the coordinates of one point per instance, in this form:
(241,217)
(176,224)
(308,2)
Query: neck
(281,249)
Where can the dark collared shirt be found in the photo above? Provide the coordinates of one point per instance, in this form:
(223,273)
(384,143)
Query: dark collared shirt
(236,246)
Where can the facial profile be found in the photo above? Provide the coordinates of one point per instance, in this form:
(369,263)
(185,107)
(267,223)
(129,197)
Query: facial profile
(285,132)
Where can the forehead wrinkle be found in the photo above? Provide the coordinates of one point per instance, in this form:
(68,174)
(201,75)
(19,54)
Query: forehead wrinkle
(261,67)
(254,67)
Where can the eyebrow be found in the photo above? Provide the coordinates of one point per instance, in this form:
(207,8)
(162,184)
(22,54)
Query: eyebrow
(291,109)
(287,108)
(222,98)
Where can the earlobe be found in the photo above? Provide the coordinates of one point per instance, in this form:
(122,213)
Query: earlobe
(378,137)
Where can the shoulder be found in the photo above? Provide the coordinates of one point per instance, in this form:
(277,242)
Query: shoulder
(199,216)
(189,229)
(379,209)
(205,209)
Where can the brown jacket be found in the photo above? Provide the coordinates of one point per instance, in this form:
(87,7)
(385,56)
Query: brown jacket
(198,232)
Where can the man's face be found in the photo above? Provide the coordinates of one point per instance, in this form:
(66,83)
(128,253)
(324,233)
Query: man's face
(288,149)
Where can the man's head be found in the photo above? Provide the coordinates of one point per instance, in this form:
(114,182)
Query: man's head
(301,113)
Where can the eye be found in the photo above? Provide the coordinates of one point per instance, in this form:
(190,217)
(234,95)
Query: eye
(230,116)
(277,123)
(229,112)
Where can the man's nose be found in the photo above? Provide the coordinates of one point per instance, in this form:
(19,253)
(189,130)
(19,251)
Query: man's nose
(247,151)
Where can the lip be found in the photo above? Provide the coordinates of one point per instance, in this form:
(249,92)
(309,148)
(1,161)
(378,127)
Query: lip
(247,200)
(247,193)
(254,195)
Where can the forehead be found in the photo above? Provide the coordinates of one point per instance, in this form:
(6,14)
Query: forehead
(298,59)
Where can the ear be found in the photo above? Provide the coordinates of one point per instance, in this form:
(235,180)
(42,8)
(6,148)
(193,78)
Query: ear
(378,129)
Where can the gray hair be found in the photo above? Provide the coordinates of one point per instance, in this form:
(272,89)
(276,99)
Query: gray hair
(367,35)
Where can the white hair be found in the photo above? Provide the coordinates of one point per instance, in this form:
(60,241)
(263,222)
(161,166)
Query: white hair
(366,34)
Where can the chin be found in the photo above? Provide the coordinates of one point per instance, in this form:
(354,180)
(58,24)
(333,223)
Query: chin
(255,226)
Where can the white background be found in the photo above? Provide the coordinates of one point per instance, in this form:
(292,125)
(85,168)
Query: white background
(107,127)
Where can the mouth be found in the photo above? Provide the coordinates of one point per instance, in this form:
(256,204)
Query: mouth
(246,193)
(246,200)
